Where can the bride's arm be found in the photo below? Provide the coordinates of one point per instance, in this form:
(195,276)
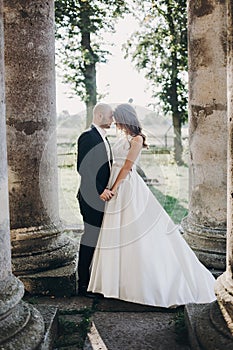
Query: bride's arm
(136,146)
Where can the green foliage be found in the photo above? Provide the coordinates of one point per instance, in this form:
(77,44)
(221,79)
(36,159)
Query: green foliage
(73,332)
(67,327)
(159,48)
(79,28)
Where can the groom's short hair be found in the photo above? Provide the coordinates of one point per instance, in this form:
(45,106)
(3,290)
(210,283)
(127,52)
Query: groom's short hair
(100,108)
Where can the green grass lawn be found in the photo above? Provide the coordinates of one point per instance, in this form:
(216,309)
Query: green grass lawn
(171,204)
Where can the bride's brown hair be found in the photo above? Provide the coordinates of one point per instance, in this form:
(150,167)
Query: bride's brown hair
(127,120)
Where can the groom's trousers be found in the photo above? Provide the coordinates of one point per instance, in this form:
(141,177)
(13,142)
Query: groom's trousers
(92,222)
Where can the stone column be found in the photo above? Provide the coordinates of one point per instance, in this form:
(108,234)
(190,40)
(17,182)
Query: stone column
(211,325)
(224,285)
(205,226)
(21,326)
(38,241)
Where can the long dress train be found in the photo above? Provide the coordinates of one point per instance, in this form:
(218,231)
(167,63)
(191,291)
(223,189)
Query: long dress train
(141,256)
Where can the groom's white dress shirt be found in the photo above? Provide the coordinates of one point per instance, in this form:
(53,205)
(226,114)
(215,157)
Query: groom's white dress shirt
(103,134)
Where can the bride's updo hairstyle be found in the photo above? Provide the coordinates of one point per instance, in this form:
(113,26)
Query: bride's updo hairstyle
(127,120)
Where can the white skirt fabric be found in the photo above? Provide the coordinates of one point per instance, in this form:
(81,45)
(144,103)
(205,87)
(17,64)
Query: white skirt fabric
(141,256)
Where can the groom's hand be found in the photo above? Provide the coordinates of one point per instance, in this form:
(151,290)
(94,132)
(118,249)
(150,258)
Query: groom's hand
(106,195)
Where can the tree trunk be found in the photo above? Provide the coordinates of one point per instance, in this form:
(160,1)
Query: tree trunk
(176,117)
(89,72)
(89,113)
(90,84)
(178,148)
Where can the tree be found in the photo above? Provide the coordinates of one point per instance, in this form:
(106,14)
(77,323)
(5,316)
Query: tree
(159,48)
(79,26)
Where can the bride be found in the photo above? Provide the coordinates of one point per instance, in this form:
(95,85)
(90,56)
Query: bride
(141,256)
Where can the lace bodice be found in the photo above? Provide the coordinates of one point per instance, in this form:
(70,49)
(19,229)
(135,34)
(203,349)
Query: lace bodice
(120,150)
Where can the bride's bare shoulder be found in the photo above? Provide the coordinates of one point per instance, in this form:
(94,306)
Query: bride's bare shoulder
(138,139)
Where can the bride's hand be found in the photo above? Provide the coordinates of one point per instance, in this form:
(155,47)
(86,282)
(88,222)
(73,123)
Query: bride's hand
(106,195)
(114,192)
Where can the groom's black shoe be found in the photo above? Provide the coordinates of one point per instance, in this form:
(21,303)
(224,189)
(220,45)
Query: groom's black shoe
(82,292)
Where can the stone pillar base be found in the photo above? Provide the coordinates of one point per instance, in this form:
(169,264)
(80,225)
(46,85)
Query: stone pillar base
(209,244)
(22,329)
(224,293)
(36,249)
(207,327)
(21,325)
(57,282)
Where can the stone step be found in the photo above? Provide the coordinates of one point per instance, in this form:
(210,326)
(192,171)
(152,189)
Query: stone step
(50,316)
(94,340)
(118,325)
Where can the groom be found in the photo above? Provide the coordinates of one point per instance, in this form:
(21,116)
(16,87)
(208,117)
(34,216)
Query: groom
(94,161)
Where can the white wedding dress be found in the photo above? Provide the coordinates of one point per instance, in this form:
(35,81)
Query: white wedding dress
(141,256)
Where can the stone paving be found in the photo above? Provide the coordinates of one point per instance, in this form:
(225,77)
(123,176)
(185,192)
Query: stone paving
(118,324)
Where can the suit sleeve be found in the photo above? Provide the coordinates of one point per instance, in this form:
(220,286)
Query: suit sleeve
(85,148)
(89,163)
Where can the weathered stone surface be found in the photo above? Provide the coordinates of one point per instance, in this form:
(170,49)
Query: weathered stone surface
(38,242)
(224,285)
(61,281)
(207,327)
(211,325)
(224,293)
(129,330)
(121,322)
(208,114)
(5,258)
(205,227)
(49,251)
(208,243)
(23,329)
(64,304)
(21,326)
(31,113)
(201,8)
(111,305)
(11,292)
(93,340)
(50,317)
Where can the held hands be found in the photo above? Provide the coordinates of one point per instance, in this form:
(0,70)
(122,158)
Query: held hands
(107,195)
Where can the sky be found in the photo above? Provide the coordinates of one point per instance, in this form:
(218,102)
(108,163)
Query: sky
(118,76)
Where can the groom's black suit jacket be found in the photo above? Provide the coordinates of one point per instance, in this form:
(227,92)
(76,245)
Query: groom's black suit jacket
(94,169)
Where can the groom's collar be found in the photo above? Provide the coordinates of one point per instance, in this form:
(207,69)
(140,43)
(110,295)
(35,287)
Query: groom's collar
(101,131)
